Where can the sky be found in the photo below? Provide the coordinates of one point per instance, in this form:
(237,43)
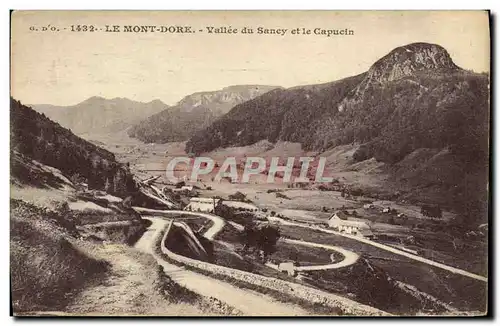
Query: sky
(65,67)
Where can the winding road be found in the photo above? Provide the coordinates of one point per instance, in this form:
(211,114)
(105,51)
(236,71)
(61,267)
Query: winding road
(349,256)
(248,302)
(387,248)
(218,222)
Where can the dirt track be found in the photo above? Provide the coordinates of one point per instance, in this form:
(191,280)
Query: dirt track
(390,249)
(129,289)
(250,303)
(218,223)
(349,256)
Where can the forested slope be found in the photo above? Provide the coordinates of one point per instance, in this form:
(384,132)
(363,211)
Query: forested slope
(35,136)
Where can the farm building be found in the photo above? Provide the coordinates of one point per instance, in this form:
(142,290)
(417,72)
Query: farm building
(200,204)
(184,189)
(240,205)
(340,222)
(287,267)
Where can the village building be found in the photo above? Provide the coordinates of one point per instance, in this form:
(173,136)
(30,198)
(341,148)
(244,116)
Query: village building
(240,205)
(288,267)
(340,222)
(200,204)
(187,190)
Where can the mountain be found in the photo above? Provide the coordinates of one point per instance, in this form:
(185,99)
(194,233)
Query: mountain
(36,138)
(402,62)
(98,114)
(193,113)
(413,98)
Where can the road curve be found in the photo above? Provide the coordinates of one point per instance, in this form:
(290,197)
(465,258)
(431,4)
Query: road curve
(387,248)
(250,303)
(218,222)
(349,256)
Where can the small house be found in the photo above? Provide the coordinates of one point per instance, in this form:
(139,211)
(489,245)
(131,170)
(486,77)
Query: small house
(340,222)
(287,267)
(200,204)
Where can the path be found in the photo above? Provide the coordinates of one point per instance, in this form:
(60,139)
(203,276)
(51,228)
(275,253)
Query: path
(128,289)
(250,303)
(218,222)
(387,248)
(349,256)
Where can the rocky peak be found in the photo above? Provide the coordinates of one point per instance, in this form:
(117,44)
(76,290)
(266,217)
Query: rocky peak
(402,62)
(406,60)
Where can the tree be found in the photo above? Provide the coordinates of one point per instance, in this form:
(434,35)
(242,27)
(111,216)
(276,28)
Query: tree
(239,196)
(127,202)
(262,239)
(267,237)
(249,237)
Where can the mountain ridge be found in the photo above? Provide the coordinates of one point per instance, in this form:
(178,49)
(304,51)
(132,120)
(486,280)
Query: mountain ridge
(98,114)
(193,112)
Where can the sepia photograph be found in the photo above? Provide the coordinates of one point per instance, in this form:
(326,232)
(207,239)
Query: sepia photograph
(250,163)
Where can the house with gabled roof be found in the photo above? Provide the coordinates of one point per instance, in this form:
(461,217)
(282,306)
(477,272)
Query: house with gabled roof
(340,221)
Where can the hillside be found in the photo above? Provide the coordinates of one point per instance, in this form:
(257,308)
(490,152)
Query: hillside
(36,137)
(98,114)
(414,97)
(193,113)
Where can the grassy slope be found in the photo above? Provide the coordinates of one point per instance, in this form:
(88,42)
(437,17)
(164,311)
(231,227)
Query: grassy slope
(45,265)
